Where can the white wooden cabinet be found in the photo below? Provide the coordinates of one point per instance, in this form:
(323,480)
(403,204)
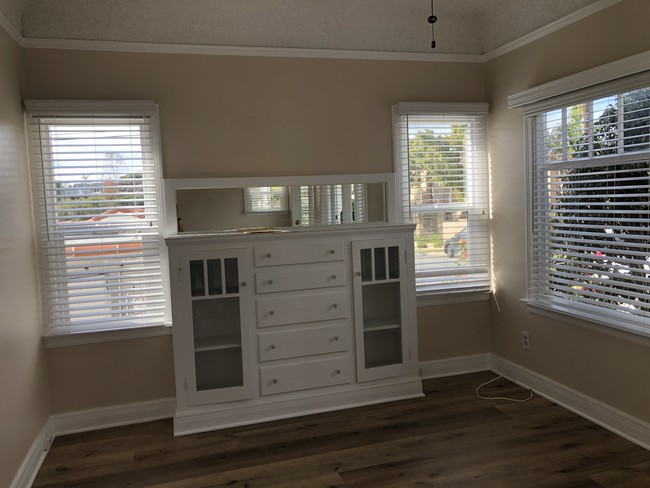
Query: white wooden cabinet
(381,309)
(210,300)
(297,322)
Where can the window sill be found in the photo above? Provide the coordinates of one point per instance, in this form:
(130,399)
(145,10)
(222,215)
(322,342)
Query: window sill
(80,338)
(431,299)
(586,323)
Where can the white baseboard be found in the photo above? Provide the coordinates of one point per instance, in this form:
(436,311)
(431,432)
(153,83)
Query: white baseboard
(455,366)
(612,419)
(102,418)
(35,457)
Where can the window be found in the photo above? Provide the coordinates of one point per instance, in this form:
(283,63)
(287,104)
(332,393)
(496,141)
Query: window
(331,204)
(589,230)
(441,167)
(266,199)
(96,192)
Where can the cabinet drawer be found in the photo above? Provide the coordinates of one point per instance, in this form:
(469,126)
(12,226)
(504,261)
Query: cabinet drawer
(301,307)
(304,375)
(300,279)
(298,251)
(306,341)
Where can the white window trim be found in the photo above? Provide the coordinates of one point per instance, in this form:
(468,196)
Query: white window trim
(52,339)
(618,76)
(427,298)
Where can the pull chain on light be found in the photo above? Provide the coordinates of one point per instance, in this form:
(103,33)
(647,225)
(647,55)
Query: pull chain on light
(432,20)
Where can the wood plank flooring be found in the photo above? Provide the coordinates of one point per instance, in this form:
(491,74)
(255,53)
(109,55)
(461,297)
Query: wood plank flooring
(450,438)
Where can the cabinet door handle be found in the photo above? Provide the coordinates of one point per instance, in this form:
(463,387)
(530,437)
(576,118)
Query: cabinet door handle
(243,283)
(358,273)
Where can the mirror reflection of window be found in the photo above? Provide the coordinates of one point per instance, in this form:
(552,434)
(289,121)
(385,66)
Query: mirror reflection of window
(332,204)
(228,209)
(266,199)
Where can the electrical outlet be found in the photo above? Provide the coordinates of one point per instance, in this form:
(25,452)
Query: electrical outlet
(525,339)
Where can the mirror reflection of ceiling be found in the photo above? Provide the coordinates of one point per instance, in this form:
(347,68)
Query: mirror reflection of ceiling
(470,27)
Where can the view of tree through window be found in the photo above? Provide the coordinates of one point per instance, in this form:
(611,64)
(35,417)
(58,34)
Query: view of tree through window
(592,207)
(444,181)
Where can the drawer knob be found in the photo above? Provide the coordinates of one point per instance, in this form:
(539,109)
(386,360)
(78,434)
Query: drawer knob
(268,254)
(334,305)
(337,371)
(335,338)
(272,346)
(269,282)
(243,283)
(271,312)
(332,251)
(274,381)
(333,277)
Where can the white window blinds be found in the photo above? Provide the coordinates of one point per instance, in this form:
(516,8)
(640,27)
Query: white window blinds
(332,204)
(266,199)
(96,193)
(443,188)
(590,236)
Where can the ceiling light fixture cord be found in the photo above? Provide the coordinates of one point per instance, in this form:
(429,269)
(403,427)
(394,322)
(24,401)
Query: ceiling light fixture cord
(432,20)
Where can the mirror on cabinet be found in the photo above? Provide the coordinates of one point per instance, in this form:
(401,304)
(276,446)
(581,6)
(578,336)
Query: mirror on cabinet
(217,205)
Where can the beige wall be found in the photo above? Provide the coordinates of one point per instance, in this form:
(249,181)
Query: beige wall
(23,399)
(239,116)
(247,116)
(614,371)
(110,373)
(447,331)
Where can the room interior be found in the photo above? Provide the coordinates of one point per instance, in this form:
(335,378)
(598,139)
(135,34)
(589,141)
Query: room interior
(319,98)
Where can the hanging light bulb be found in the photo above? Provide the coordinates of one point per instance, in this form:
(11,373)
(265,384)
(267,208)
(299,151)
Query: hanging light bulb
(432,20)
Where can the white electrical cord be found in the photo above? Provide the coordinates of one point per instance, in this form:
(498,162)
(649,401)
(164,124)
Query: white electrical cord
(499,397)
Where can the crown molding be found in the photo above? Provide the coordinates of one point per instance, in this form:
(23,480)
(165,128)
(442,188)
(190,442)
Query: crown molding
(11,30)
(549,29)
(288,52)
(594,76)
(154,48)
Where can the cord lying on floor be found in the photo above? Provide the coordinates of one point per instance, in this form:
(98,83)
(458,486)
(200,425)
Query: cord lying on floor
(500,397)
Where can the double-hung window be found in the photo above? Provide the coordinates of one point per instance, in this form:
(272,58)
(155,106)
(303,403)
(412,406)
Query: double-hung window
(590,218)
(96,190)
(442,175)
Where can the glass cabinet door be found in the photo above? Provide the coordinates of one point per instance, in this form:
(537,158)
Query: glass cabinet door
(379,301)
(217,336)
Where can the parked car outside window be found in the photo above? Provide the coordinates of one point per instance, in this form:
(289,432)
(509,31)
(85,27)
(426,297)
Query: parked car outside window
(455,244)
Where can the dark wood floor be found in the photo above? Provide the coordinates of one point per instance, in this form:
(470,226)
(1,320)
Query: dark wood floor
(447,439)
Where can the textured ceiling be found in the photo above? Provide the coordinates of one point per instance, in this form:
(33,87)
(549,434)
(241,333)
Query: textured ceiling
(464,26)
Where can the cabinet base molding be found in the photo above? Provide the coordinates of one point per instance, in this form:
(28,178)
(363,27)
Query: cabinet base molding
(221,416)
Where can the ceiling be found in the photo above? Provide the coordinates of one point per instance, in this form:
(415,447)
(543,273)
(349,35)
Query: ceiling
(464,26)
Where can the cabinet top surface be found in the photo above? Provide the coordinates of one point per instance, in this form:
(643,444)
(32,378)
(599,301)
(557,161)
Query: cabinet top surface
(266,233)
